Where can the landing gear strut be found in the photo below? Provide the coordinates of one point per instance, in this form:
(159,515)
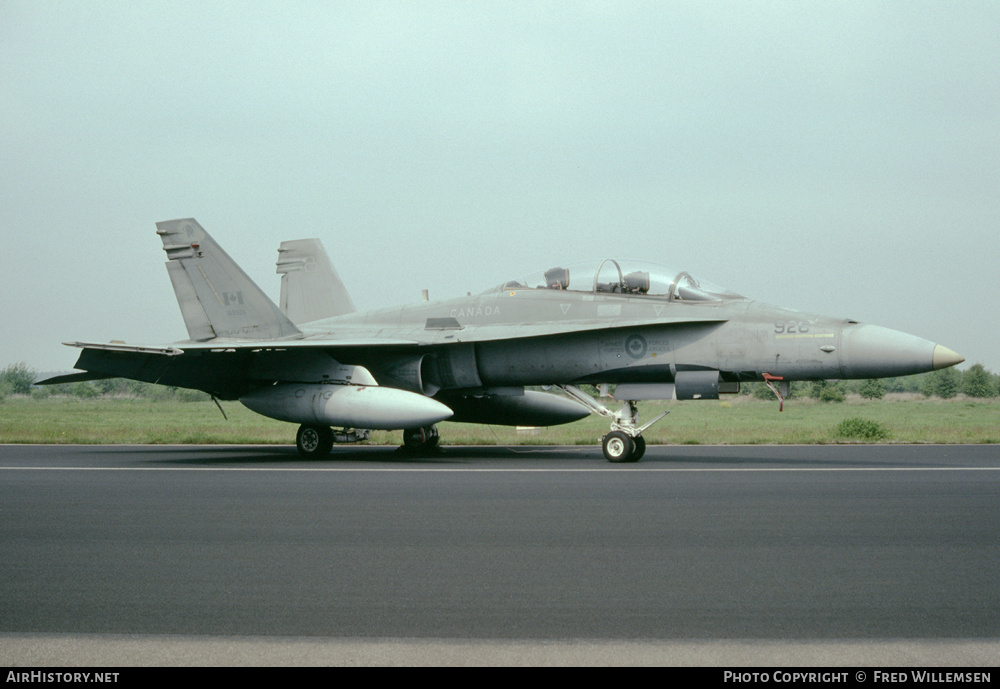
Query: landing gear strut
(423,440)
(625,442)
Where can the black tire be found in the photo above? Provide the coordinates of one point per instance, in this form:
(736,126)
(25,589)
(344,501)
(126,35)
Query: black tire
(433,438)
(421,439)
(414,438)
(618,447)
(639,450)
(314,442)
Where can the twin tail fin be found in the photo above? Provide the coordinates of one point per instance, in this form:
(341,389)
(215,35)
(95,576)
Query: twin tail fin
(216,297)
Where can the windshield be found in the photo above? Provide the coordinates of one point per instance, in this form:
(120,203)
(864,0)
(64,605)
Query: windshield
(615,276)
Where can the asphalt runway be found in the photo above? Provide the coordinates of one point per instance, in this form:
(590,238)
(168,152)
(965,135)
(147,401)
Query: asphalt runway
(697,554)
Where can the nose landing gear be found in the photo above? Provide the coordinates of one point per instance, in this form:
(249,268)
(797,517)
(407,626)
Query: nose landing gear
(625,442)
(621,447)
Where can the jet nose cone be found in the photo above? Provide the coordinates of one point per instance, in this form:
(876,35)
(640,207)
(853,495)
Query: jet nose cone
(944,357)
(871,351)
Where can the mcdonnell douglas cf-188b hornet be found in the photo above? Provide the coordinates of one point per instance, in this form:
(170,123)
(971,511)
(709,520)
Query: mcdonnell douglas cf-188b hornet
(654,332)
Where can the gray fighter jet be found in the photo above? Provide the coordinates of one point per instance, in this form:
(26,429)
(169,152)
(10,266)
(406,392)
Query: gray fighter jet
(655,333)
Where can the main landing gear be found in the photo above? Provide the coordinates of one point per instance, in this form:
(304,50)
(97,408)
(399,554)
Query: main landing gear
(423,440)
(316,441)
(625,442)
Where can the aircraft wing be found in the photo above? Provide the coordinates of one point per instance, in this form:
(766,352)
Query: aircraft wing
(222,345)
(507,331)
(229,368)
(226,369)
(430,334)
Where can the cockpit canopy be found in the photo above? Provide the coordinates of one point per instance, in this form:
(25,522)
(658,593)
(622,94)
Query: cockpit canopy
(614,276)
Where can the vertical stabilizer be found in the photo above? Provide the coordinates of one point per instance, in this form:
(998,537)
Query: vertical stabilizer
(216,297)
(310,287)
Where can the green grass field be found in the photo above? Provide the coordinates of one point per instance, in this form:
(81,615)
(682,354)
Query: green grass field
(732,420)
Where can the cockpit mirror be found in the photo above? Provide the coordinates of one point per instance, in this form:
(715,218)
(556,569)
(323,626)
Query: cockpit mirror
(637,282)
(557,278)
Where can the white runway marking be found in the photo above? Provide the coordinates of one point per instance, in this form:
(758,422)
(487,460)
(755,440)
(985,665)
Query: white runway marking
(114,650)
(506,470)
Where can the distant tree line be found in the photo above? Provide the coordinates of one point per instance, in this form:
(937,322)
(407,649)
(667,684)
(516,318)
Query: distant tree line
(946,383)
(18,379)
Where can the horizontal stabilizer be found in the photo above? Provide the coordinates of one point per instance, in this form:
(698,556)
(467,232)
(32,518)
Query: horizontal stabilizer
(74,378)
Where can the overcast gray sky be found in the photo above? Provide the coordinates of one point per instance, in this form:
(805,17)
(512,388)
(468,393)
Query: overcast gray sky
(841,158)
